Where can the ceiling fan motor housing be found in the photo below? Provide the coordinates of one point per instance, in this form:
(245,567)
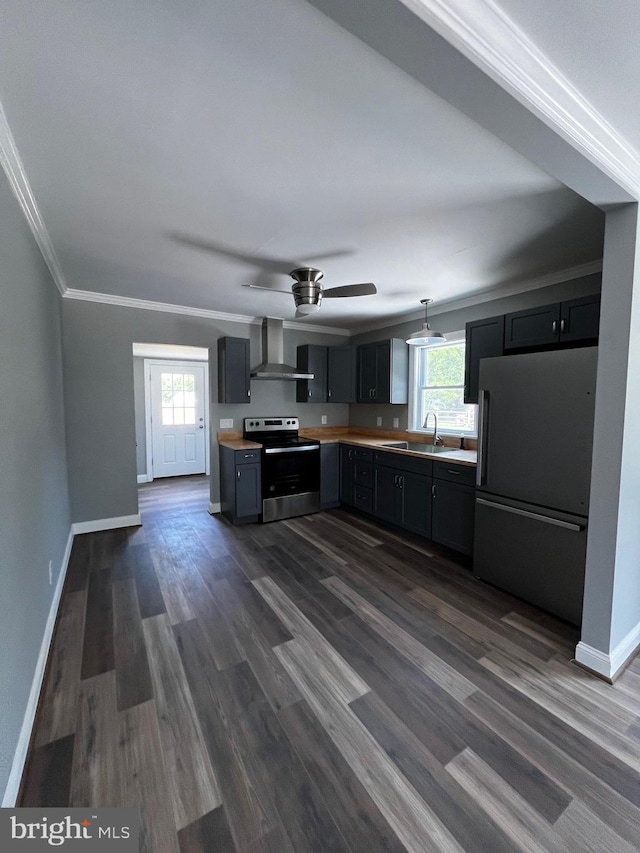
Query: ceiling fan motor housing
(307,289)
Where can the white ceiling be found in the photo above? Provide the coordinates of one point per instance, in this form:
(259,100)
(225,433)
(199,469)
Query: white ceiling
(267,130)
(595,43)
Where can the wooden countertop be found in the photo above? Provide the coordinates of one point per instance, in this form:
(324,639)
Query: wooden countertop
(333,436)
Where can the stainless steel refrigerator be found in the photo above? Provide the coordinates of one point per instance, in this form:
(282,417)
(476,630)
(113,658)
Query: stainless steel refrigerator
(533,477)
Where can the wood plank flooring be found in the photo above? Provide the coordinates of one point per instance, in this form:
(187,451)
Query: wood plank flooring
(321,684)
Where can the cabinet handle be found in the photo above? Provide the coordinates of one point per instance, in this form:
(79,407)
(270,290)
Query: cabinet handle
(249,392)
(238,474)
(562,325)
(375,393)
(395,479)
(554,326)
(433,491)
(371,393)
(451,471)
(401,482)
(309,393)
(329,394)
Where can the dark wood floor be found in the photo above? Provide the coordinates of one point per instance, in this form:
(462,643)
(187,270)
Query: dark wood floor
(319,684)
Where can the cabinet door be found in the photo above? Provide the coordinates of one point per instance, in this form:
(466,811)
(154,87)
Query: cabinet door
(483,339)
(341,372)
(329,475)
(386,494)
(346,474)
(452,516)
(233,370)
(382,386)
(415,493)
(312,359)
(580,318)
(248,490)
(366,373)
(532,328)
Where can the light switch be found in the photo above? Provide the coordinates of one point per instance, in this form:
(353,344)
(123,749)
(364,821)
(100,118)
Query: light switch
(324,419)
(379,421)
(396,423)
(226,423)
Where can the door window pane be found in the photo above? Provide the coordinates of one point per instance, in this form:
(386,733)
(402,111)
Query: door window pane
(189,416)
(167,417)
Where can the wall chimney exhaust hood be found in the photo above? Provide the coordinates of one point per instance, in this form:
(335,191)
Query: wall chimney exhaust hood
(273,365)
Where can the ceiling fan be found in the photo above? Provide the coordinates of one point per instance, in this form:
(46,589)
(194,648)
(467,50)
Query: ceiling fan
(308,290)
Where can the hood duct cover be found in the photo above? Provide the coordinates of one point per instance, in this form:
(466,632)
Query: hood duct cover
(272,365)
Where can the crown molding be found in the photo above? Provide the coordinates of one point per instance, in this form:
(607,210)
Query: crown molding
(13,168)
(490,39)
(513,289)
(206,313)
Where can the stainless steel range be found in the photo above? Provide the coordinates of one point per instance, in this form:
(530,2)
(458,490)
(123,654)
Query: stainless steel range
(290,467)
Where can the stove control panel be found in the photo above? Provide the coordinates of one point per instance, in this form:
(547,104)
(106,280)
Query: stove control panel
(285,424)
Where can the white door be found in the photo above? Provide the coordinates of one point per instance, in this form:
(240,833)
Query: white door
(178,427)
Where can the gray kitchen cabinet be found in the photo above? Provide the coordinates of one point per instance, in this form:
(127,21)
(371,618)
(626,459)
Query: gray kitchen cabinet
(453,506)
(383,372)
(576,320)
(483,339)
(341,374)
(234,380)
(356,476)
(329,475)
(402,492)
(240,485)
(580,319)
(312,359)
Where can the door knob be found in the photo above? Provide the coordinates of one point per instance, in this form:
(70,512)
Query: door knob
(201,426)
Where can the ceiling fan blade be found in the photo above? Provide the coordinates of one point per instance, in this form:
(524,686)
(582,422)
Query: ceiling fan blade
(263,262)
(364,289)
(270,289)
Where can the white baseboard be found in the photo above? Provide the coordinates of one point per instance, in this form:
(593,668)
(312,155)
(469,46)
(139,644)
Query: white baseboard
(99,524)
(143,478)
(609,664)
(214,508)
(20,756)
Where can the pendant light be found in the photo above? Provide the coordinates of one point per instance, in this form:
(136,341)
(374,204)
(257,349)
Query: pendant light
(425,336)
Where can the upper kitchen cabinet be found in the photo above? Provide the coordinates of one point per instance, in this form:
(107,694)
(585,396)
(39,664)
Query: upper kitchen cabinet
(312,359)
(341,371)
(484,339)
(580,318)
(233,370)
(383,372)
(575,320)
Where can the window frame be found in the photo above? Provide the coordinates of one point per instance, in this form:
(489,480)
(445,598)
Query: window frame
(414,372)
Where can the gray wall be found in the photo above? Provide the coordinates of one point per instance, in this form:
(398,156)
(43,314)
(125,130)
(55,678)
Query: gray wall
(34,505)
(141,430)
(100,398)
(454,321)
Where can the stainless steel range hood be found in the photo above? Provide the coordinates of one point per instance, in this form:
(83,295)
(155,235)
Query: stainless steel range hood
(272,365)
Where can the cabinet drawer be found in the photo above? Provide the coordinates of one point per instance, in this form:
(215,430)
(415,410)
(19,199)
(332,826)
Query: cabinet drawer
(243,457)
(363,498)
(363,474)
(465,475)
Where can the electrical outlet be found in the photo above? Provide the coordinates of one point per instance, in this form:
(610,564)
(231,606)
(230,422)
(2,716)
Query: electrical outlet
(324,419)
(226,423)
(379,421)
(50,572)
(396,423)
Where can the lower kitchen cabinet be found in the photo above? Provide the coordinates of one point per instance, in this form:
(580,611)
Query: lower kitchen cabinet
(240,485)
(432,499)
(452,514)
(329,475)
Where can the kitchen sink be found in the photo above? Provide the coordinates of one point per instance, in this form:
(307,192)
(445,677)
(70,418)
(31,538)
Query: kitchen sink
(417,447)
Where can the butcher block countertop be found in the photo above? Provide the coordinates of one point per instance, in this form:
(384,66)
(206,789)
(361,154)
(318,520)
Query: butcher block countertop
(372,438)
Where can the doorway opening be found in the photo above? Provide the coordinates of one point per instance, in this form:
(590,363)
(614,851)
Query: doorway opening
(171,391)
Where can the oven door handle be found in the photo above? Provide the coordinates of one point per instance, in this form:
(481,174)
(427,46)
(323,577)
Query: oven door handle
(270,450)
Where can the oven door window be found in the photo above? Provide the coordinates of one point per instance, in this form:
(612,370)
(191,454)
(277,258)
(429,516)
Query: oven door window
(290,473)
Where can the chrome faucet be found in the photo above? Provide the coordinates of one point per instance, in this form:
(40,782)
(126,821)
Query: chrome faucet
(436,438)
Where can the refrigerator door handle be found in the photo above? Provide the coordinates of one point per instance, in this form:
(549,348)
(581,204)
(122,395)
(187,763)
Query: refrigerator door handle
(534,515)
(483,412)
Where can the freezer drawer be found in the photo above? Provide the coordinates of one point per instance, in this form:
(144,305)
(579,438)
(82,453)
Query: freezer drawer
(536,555)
